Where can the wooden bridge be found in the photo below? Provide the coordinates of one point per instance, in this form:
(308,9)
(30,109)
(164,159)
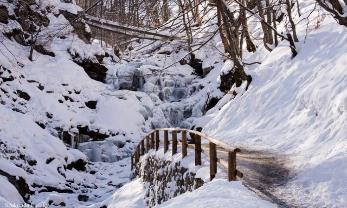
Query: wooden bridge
(130,31)
(153,141)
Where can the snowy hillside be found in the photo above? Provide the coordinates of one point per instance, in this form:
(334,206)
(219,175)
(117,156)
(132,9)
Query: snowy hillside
(50,104)
(297,107)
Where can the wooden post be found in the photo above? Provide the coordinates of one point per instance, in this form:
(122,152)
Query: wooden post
(142,147)
(184,143)
(213,160)
(197,139)
(147,144)
(136,156)
(157,140)
(166,141)
(152,140)
(232,166)
(174,142)
(132,162)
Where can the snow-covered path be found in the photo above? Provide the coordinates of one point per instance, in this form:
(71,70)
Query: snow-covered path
(264,173)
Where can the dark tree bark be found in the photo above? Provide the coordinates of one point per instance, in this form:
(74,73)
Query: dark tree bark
(335,8)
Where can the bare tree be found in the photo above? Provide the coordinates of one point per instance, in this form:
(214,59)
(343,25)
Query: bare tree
(335,8)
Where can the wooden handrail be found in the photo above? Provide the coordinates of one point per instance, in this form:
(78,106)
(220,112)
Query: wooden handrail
(152,141)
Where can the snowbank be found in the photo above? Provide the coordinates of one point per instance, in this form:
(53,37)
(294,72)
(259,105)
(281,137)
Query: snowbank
(131,195)
(218,193)
(297,107)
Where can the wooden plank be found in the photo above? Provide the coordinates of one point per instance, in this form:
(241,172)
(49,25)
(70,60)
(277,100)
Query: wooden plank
(184,144)
(232,166)
(213,160)
(166,141)
(197,139)
(147,144)
(142,147)
(224,163)
(157,140)
(219,143)
(152,140)
(174,142)
(136,156)
(126,29)
(132,162)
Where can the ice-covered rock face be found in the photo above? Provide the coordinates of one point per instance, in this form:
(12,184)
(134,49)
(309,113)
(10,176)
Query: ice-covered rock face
(169,88)
(106,151)
(172,90)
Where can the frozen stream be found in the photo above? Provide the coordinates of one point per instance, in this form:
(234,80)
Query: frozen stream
(174,94)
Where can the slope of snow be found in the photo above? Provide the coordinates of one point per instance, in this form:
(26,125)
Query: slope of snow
(9,194)
(297,107)
(131,195)
(218,193)
(56,91)
(35,144)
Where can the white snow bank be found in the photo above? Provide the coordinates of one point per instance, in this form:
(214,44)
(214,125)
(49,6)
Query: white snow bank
(9,192)
(297,107)
(131,195)
(35,144)
(218,193)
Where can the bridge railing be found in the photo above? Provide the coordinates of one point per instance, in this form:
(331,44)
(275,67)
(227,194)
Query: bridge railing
(152,141)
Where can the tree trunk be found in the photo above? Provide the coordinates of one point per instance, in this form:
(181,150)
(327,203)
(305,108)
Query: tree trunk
(292,24)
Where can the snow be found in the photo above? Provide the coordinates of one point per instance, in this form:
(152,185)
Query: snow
(57,5)
(218,193)
(46,80)
(9,192)
(130,195)
(297,107)
(35,144)
(294,107)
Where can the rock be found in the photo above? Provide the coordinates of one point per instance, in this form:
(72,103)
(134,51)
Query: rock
(67,98)
(32,162)
(49,160)
(23,95)
(5,74)
(95,71)
(83,198)
(211,103)
(41,49)
(19,183)
(195,63)
(29,19)
(78,165)
(235,76)
(49,115)
(78,25)
(42,125)
(3,14)
(95,135)
(165,179)
(52,189)
(18,35)
(206,70)
(41,87)
(91,104)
